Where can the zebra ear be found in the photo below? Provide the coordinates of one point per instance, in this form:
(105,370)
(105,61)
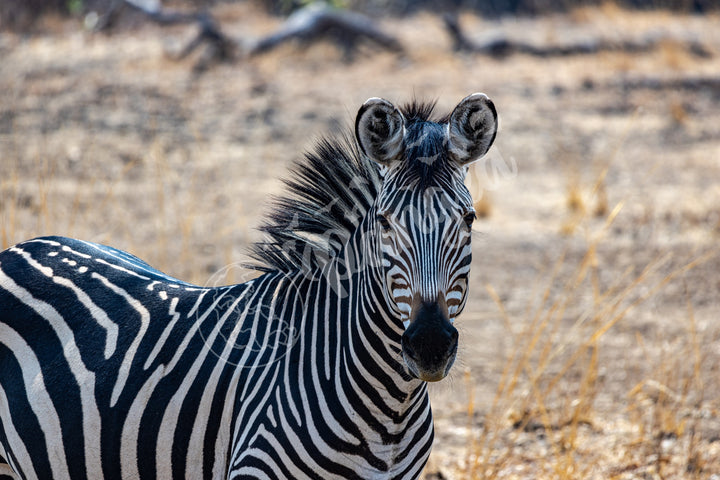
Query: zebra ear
(472,128)
(380,131)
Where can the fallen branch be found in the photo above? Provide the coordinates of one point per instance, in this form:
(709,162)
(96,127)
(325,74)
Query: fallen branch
(503,47)
(315,22)
(692,84)
(220,48)
(320,21)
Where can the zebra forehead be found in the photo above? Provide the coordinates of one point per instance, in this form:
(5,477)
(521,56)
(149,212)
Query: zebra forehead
(435,199)
(426,162)
(426,142)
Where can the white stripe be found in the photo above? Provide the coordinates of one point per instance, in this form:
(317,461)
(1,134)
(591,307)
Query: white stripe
(122,269)
(224,439)
(130,353)
(98,314)
(85,379)
(171,418)
(65,248)
(42,240)
(240,438)
(194,326)
(320,401)
(15,443)
(39,400)
(131,430)
(194,460)
(165,334)
(47,271)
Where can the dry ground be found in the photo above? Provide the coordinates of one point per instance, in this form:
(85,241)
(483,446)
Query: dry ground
(591,343)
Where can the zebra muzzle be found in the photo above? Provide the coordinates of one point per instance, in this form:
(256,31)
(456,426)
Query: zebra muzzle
(430,342)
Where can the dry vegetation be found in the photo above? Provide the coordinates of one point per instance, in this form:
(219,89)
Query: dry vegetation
(591,343)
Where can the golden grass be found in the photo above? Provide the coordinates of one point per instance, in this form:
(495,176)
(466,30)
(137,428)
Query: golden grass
(544,422)
(550,383)
(561,406)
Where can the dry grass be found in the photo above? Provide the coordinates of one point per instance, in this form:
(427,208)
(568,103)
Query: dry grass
(544,421)
(592,351)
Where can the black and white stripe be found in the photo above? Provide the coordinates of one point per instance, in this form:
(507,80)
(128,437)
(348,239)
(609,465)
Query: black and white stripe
(314,370)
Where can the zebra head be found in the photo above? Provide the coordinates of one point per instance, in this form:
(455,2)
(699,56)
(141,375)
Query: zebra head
(423,218)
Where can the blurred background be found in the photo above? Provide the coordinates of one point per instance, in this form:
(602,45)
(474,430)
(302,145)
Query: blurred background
(590,347)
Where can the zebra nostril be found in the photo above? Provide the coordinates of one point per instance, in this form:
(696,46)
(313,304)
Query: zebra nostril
(408,349)
(452,348)
(454,336)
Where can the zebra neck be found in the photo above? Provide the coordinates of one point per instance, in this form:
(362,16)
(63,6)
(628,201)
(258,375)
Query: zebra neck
(373,323)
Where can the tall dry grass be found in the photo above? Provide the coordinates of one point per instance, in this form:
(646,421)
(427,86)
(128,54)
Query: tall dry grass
(546,419)
(156,207)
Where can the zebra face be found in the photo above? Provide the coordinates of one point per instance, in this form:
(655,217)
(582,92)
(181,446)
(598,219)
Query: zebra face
(423,219)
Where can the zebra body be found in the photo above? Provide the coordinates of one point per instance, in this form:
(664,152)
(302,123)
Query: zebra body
(316,369)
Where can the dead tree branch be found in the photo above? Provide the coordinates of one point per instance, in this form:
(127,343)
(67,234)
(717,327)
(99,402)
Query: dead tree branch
(219,46)
(503,47)
(320,21)
(310,24)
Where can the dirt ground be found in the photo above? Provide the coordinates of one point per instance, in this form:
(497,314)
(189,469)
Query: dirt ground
(590,346)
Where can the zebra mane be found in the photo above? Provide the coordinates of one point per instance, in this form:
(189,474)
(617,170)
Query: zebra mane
(327,195)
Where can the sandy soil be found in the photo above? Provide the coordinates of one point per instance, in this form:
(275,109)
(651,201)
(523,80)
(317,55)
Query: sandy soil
(103,137)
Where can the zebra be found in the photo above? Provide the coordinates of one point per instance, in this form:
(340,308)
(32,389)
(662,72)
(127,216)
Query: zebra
(315,369)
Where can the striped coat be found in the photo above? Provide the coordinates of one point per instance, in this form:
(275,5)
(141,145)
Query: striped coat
(315,369)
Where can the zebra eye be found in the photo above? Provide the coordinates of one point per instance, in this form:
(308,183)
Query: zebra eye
(469,218)
(384,223)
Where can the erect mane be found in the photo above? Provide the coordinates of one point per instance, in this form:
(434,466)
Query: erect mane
(419,111)
(327,195)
